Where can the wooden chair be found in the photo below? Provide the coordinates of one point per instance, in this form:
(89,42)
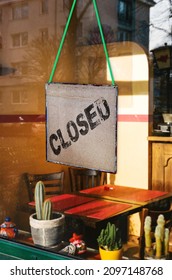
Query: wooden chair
(82,178)
(154,215)
(54,183)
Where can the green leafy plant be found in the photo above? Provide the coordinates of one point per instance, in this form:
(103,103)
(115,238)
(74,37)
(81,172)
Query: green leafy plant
(43,208)
(110,238)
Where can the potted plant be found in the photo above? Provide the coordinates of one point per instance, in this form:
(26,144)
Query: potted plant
(159,248)
(110,244)
(47,227)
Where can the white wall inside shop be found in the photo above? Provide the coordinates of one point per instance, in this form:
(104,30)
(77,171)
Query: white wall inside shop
(131,72)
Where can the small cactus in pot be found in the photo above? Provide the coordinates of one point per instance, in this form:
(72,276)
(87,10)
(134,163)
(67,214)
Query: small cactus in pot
(43,207)
(47,227)
(110,240)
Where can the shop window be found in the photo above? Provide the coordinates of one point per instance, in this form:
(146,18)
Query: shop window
(19,97)
(20,11)
(20,39)
(44,7)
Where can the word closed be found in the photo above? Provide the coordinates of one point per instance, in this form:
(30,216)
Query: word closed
(81,125)
(93,115)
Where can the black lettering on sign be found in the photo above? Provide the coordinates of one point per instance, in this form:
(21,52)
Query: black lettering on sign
(65,145)
(103,108)
(53,137)
(72,126)
(91,115)
(95,113)
(82,123)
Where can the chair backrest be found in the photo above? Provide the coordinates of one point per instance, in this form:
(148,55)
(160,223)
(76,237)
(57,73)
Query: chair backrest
(154,215)
(82,178)
(54,183)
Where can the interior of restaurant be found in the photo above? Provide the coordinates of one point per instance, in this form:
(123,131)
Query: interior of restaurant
(131,152)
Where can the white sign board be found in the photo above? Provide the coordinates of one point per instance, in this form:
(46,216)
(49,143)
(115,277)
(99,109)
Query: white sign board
(82,125)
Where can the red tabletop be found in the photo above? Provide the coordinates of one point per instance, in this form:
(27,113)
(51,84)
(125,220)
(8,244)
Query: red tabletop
(134,195)
(65,201)
(99,209)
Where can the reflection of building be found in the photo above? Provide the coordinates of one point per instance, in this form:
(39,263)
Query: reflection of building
(21,22)
(22,91)
(128,20)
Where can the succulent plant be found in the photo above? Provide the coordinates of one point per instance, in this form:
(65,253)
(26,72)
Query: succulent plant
(158,240)
(147,230)
(43,208)
(161,246)
(166,241)
(110,238)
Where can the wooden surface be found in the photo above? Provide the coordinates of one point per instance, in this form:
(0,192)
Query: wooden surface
(99,209)
(101,203)
(91,210)
(160,139)
(161,166)
(125,194)
(66,201)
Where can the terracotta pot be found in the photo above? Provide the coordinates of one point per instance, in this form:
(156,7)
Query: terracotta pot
(110,255)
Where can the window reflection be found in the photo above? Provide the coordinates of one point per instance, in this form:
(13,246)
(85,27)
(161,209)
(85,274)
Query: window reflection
(20,11)
(36,31)
(30,34)
(44,6)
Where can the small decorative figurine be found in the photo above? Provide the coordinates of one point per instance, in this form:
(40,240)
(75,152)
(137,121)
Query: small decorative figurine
(79,244)
(8,228)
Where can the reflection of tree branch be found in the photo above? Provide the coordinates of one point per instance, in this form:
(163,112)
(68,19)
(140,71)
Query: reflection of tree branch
(159,28)
(67,6)
(84,10)
(40,58)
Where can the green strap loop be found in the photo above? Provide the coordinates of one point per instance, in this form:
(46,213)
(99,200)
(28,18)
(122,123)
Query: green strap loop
(103,41)
(64,36)
(62,41)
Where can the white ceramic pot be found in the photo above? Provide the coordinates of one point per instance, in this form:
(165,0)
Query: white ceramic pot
(47,233)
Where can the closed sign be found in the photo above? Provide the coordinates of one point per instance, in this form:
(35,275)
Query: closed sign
(82,125)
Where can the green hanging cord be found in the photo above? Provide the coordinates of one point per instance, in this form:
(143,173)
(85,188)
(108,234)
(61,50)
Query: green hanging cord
(103,41)
(62,41)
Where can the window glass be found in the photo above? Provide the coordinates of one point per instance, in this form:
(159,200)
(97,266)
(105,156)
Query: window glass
(44,6)
(125,12)
(20,39)
(20,11)
(30,35)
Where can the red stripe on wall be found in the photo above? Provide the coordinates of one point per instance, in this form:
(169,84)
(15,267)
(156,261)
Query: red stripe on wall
(133,118)
(41,118)
(21,118)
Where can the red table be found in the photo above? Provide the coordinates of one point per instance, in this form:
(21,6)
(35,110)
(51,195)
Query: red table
(126,194)
(105,202)
(66,201)
(90,209)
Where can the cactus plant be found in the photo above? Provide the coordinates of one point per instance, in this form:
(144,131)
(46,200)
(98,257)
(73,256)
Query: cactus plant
(43,208)
(47,210)
(159,240)
(110,238)
(147,230)
(160,248)
(166,241)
